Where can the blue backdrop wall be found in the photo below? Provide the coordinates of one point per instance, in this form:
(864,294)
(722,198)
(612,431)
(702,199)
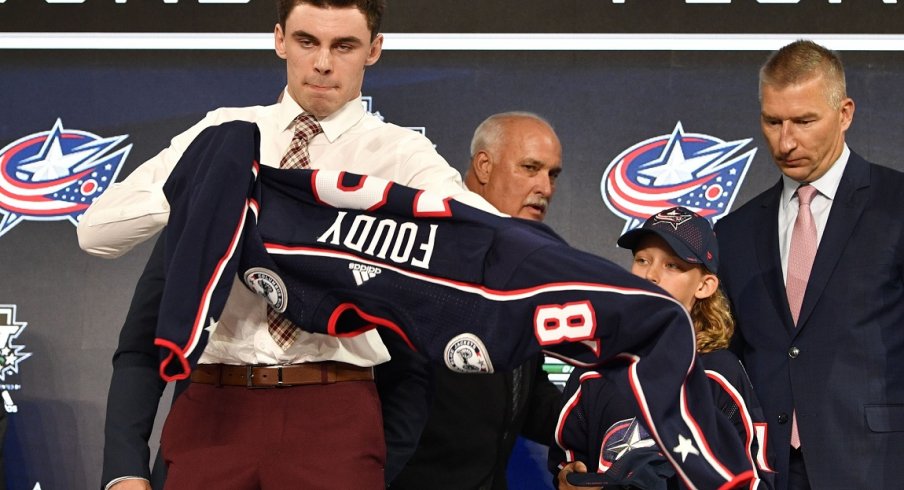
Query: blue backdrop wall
(581,64)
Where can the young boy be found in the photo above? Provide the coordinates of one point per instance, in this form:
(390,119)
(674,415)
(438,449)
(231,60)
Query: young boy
(599,440)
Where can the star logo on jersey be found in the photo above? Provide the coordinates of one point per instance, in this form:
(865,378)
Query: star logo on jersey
(685,446)
(55,175)
(212,326)
(696,171)
(363,273)
(10,353)
(622,437)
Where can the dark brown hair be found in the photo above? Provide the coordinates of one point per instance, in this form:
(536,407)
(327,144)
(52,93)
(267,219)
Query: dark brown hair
(372,10)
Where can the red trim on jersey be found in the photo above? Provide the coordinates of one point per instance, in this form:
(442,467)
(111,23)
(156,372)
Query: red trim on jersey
(201,313)
(762,431)
(491,294)
(349,188)
(175,352)
(445,213)
(385,197)
(366,322)
(738,480)
(736,398)
(705,452)
(350,204)
(566,412)
(314,188)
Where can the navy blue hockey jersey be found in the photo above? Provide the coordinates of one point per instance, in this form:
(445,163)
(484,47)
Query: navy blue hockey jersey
(340,253)
(597,425)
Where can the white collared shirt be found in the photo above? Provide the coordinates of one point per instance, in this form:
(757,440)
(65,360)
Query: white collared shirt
(826,187)
(352,140)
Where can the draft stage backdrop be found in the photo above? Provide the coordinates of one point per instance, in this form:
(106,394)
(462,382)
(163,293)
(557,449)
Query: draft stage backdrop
(618,106)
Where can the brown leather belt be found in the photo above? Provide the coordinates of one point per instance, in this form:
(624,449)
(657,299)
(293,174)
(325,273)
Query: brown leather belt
(251,376)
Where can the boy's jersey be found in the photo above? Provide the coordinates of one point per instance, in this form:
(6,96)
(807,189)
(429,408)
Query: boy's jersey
(597,425)
(341,253)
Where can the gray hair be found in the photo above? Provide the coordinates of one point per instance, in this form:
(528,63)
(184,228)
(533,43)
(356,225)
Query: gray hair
(489,132)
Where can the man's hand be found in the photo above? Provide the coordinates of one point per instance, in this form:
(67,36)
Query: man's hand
(573,467)
(132,484)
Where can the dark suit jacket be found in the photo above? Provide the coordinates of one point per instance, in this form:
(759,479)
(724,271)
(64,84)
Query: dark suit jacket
(136,387)
(842,368)
(474,422)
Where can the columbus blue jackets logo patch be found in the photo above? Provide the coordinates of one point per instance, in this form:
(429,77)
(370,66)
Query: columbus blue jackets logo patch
(55,175)
(621,438)
(697,171)
(466,353)
(267,284)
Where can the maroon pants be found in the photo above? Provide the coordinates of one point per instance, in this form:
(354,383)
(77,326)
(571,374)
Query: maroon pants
(313,437)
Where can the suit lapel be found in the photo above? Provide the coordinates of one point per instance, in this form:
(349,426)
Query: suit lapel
(850,201)
(767,252)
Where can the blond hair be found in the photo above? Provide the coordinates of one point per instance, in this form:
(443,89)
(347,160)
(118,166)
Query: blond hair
(713,322)
(802,61)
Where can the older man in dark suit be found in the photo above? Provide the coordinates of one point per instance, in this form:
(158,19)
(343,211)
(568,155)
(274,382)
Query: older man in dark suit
(814,268)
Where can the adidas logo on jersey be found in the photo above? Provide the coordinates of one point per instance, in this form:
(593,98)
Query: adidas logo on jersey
(363,273)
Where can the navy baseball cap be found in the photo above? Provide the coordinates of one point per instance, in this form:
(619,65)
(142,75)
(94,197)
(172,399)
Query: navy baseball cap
(689,234)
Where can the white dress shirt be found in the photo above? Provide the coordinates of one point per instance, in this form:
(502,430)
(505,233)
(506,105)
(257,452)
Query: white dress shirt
(353,140)
(826,187)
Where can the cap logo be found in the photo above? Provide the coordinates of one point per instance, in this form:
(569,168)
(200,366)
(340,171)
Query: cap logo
(673,217)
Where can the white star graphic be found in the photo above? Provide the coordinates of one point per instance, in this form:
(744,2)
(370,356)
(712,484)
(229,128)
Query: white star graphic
(212,325)
(677,167)
(673,167)
(54,164)
(685,446)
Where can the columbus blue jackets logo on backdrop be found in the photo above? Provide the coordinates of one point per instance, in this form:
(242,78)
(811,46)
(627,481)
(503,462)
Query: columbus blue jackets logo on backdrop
(267,284)
(55,175)
(466,353)
(700,172)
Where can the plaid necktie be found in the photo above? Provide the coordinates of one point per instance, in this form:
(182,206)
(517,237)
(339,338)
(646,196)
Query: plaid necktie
(800,262)
(283,331)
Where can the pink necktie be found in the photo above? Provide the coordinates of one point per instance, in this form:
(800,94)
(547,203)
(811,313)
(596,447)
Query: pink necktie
(800,262)
(283,331)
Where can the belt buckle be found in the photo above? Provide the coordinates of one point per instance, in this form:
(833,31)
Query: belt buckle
(249,376)
(279,378)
